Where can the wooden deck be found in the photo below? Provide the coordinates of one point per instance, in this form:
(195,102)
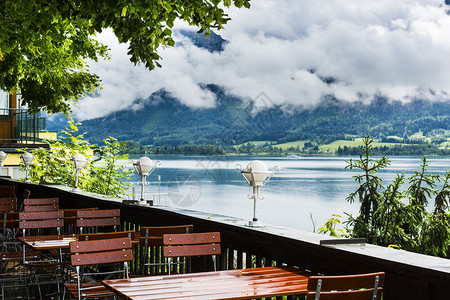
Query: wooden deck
(408,275)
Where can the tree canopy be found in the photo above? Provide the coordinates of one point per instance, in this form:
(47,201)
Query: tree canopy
(44,44)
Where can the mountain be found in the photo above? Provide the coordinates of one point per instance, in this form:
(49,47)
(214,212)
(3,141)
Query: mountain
(163,120)
(212,43)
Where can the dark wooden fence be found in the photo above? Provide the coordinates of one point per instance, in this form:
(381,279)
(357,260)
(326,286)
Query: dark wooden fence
(408,275)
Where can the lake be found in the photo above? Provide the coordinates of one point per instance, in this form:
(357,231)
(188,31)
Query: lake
(307,190)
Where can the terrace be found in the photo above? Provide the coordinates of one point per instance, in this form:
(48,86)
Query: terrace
(408,275)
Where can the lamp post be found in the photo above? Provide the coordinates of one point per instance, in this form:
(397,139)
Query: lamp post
(78,162)
(256,175)
(3,156)
(27,158)
(144,167)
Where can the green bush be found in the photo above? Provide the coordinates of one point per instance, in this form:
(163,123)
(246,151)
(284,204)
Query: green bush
(106,176)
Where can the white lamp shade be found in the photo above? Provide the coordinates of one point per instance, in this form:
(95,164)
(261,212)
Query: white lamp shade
(143,166)
(78,161)
(3,156)
(27,158)
(256,172)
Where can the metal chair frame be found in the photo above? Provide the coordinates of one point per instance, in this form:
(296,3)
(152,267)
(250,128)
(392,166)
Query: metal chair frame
(346,287)
(88,256)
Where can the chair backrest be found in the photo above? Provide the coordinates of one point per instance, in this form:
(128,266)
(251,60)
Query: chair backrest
(40,204)
(98,218)
(8,204)
(96,253)
(105,251)
(152,236)
(349,287)
(7,191)
(41,220)
(72,212)
(107,235)
(192,244)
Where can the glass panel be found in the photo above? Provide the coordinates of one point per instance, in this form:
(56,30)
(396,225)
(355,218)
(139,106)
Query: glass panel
(4,102)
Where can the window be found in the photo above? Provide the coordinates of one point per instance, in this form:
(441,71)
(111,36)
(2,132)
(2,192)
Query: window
(4,103)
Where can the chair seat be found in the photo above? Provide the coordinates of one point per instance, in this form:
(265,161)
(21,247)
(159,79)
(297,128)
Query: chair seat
(95,290)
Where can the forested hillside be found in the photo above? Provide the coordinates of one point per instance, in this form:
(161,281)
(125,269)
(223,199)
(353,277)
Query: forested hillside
(162,120)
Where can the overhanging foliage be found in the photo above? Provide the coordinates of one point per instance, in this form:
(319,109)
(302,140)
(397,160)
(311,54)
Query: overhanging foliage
(44,44)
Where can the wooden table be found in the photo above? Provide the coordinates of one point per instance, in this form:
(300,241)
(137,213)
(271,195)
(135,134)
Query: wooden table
(48,242)
(51,242)
(231,284)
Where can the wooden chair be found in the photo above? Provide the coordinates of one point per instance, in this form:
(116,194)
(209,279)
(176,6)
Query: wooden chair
(91,220)
(39,221)
(11,271)
(48,263)
(151,243)
(7,191)
(191,244)
(11,250)
(41,204)
(346,287)
(88,256)
(70,218)
(8,204)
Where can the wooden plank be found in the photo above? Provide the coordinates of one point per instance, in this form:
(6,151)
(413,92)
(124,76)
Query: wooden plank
(192,238)
(101,257)
(41,224)
(191,250)
(72,212)
(234,284)
(8,207)
(101,213)
(31,208)
(41,201)
(98,222)
(99,245)
(40,215)
(9,201)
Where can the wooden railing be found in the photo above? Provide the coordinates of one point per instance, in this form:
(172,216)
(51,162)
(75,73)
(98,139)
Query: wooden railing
(408,275)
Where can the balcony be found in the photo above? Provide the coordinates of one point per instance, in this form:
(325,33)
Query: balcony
(408,275)
(20,129)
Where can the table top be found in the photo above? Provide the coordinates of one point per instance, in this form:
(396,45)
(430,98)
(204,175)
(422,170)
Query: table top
(232,284)
(48,242)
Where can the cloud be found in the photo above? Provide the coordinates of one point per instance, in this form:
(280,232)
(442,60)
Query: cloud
(285,48)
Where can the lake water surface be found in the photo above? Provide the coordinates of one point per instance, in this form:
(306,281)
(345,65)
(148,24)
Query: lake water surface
(306,190)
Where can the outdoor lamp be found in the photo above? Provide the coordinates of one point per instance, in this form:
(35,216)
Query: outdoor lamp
(27,158)
(144,167)
(78,162)
(256,175)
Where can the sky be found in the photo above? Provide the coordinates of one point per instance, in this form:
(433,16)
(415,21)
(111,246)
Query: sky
(284,48)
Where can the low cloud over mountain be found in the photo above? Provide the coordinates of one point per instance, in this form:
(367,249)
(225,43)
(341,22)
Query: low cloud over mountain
(297,52)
